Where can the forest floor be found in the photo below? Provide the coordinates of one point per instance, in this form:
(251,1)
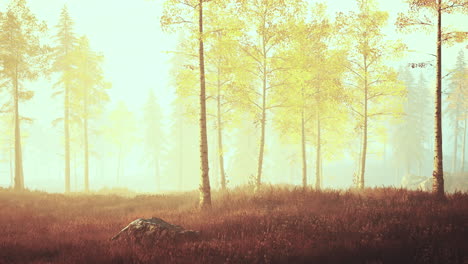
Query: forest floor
(277,225)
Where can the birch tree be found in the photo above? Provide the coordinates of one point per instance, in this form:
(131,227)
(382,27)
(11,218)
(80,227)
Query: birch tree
(313,73)
(374,87)
(222,27)
(179,12)
(222,65)
(268,19)
(421,15)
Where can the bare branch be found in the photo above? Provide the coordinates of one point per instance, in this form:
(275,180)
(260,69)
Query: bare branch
(254,103)
(353,71)
(454,5)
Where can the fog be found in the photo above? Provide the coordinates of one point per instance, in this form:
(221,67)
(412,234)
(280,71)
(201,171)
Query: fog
(139,59)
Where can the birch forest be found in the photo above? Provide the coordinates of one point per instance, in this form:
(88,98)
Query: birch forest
(262,131)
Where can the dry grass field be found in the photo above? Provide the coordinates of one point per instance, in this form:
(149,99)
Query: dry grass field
(277,225)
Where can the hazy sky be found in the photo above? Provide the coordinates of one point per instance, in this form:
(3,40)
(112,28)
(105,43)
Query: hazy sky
(128,33)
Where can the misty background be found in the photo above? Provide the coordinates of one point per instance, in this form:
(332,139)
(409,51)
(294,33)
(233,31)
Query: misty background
(138,61)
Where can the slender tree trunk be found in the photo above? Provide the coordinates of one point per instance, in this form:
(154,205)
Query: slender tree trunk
(364,134)
(214,159)
(66,124)
(304,152)
(462,167)
(205,190)
(263,117)
(262,140)
(321,171)
(363,156)
(455,143)
(19,177)
(220,137)
(357,174)
(85,136)
(263,126)
(86,155)
(318,176)
(75,172)
(181,158)
(438,173)
(12,177)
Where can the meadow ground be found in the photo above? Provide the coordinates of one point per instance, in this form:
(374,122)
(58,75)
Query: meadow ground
(277,225)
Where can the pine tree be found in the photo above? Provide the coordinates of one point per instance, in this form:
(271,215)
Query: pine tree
(182,147)
(410,134)
(23,58)
(63,63)
(120,131)
(457,108)
(89,92)
(153,135)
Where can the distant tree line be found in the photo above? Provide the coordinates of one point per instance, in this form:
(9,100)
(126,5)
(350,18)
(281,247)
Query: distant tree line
(257,69)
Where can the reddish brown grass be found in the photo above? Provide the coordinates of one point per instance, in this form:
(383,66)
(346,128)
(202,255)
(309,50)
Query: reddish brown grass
(275,226)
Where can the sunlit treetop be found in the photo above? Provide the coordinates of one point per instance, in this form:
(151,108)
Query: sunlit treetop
(423,13)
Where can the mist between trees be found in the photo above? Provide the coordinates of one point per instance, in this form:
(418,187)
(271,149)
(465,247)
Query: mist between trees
(288,93)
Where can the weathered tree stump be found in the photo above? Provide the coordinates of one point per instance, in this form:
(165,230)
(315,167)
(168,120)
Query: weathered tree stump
(154,231)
